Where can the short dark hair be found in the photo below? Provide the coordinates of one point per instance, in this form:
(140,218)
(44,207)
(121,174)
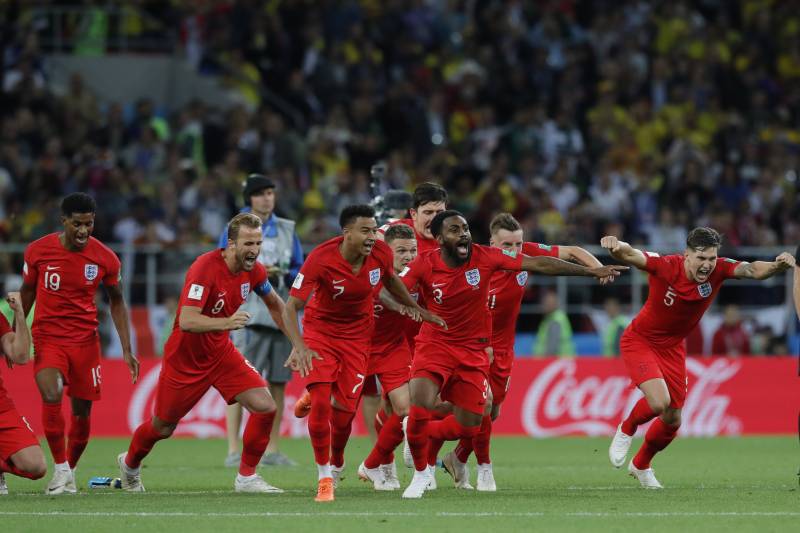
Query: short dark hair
(248,220)
(428,192)
(398,231)
(702,238)
(438,220)
(504,221)
(77,202)
(350,213)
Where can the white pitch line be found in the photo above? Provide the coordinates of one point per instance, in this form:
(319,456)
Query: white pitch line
(346,514)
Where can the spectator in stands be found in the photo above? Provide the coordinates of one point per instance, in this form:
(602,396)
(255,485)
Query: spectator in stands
(617,322)
(554,336)
(731,338)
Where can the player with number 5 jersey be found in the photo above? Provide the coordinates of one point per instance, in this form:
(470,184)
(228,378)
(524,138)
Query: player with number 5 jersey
(199,354)
(341,277)
(682,287)
(455,282)
(61,273)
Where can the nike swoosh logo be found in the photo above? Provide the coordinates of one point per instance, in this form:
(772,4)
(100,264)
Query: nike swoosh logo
(438,284)
(338,281)
(52,267)
(220,295)
(492,290)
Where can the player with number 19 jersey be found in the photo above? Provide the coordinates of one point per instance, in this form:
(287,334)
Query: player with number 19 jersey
(653,346)
(338,319)
(458,295)
(65,322)
(194,362)
(505,299)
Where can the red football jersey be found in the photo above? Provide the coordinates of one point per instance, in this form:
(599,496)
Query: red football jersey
(424,244)
(390,328)
(218,292)
(5,401)
(66,283)
(506,290)
(675,304)
(459,295)
(341,305)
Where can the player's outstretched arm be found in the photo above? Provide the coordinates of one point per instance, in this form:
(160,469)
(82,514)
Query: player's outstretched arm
(194,321)
(622,251)
(17,344)
(275,306)
(398,289)
(119,314)
(28,295)
(764,269)
(301,358)
(550,266)
(576,254)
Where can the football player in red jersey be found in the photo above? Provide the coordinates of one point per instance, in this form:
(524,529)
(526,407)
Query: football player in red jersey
(199,354)
(430,199)
(506,290)
(20,453)
(455,283)
(61,273)
(340,276)
(681,288)
(390,361)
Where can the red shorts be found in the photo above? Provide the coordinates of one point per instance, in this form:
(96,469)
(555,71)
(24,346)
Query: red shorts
(464,386)
(178,391)
(371,386)
(79,365)
(393,369)
(500,375)
(645,362)
(344,364)
(15,433)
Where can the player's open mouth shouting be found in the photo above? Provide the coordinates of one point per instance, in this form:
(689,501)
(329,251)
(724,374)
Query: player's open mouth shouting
(463,247)
(250,261)
(368,244)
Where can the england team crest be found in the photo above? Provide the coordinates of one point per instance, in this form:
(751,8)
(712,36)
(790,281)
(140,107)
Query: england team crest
(245,290)
(90,272)
(522,278)
(374,276)
(473,276)
(705,290)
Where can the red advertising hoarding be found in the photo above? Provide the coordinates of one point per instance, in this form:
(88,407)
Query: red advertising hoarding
(547,397)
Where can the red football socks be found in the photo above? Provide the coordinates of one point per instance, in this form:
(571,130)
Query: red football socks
(53,422)
(658,437)
(446,429)
(417,435)
(390,436)
(144,438)
(341,426)
(319,422)
(380,420)
(255,441)
(78,438)
(463,450)
(11,468)
(481,441)
(640,414)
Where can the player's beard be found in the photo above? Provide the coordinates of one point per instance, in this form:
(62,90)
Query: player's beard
(247,261)
(453,252)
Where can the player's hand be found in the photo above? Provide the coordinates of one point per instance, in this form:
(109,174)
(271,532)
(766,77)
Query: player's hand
(610,243)
(133,365)
(412,313)
(14,301)
(238,320)
(427,316)
(490,353)
(302,360)
(785,261)
(607,271)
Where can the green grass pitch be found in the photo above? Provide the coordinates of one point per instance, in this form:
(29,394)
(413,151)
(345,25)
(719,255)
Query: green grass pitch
(567,484)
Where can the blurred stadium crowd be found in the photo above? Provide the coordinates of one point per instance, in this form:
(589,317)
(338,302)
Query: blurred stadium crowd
(580,117)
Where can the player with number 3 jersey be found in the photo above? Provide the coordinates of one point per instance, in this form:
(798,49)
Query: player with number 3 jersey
(682,288)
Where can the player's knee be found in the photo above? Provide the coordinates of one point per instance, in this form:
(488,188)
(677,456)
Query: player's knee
(672,417)
(51,394)
(401,410)
(165,429)
(658,405)
(33,464)
(264,406)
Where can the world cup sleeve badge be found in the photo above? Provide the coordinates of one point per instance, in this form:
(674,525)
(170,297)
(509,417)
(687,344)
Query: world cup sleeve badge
(90,271)
(374,276)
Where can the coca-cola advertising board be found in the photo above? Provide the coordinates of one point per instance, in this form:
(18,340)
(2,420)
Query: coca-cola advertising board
(547,398)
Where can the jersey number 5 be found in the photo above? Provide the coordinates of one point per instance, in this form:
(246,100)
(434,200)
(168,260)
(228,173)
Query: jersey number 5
(669,297)
(52,281)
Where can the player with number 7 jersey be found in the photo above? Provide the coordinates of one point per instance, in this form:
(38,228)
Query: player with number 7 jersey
(340,277)
(681,288)
(61,273)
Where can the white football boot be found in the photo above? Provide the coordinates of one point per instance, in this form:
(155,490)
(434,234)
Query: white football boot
(63,482)
(458,471)
(254,483)
(419,483)
(620,445)
(486,478)
(390,475)
(374,476)
(647,477)
(130,479)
